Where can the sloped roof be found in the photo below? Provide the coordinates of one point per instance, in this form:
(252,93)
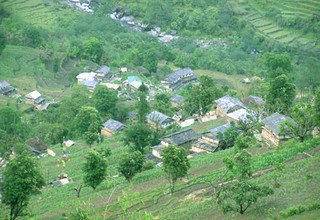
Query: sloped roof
(219,129)
(274,121)
(136,84)
(114,125)
(256,99)
(158,117)
(4,84)
(240,114)
(177,98)
(103,69)
(86,76)
(5,87)
(228,102)
(133,78)
(175,76)
(33,95)
(205,146)
(180,137)
(87,83)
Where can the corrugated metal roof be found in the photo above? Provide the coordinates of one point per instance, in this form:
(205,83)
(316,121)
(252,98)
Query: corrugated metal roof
(180,137)
(274,121)
(228,102)
(158,117)
(175,76)
(114,125)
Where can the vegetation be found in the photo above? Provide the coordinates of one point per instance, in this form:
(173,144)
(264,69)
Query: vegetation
(131,164)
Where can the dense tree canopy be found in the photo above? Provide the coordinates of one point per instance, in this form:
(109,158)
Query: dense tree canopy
(105,100)
(138,137)
(131,164)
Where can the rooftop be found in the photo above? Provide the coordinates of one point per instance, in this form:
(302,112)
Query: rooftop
(256,99)
(103,69)
(33,95)
(274,121)
(228,102)
(180,137)
(88,83)
(219,129)
(133,78)
(177,98)
(175,76)
(240,114)
(86,76)
(158,117)
(114,125)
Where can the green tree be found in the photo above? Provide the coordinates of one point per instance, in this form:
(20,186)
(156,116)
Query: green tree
(163,103)
(281,95)
(55,134)
(10,121)
(303,123)
(23,179)
(93,50)
(32,36)
(150,60)
(202,95)
(2,41)
(239,196)
(277,64)
(131,164)
(105,100)
(228,138)
(317,106)
(175,164)
(94,169)
(137,137)
(88,120)
(142,107)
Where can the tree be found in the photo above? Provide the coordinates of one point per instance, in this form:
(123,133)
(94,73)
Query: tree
(227,139)
(137,137)
(143,88)
(150,60)
(142,106)
(201,96)
(94,169)
(163,103)
(303,123)
(33,36)
(317,106)
(55,134)
(277,64)
(93,50)
(22,179)
(2,41)
(175,164)
(105,100)
(281,95)
(131,164)
(239,196)
(10,120)
(88,120)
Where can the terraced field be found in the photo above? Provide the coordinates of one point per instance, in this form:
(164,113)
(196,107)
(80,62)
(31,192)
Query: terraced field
(254,12)
(37,12)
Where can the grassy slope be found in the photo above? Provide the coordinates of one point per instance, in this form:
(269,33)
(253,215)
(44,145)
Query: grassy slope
(149,190)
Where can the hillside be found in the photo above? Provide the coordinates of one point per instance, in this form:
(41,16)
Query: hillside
(104,66)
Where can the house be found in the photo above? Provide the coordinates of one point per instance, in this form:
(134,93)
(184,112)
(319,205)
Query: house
(103,72)
(201,146)
(34,98)
(123,69)
(212,135)
(46,105)
(177,100)
(228,104)
(134,82)
(86,76)
(157,150)
(240,114)
(5,88)
(37,146)
(157,118)
(181,138)
(111,127)
(179,78)
(91,85)
(271,129)
(68,143)
(255,100)
(246,81)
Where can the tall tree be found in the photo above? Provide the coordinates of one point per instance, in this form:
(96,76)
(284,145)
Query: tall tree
(131,164)
(201,96)
(94,169)
(303,123)
(317,106)
(105,100)
(137,137)
(163,103)
(277,64)
(175,164)
(10,120)
(281,95)
(142,106)
(239,196)
(88,119)
(93,50)
(22,179)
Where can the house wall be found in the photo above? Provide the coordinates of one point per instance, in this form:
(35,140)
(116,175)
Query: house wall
(270,137)
(195,149)
(29,101)
(156,153)
(107,132)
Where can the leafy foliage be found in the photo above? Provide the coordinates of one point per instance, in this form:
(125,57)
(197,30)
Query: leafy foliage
(95,169)
(131,164)
(138,137)
(105,100)
(22,180)
(175,164)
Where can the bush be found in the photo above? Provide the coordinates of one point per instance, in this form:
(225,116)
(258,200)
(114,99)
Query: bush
(298,210)
(79,215)
(148,165)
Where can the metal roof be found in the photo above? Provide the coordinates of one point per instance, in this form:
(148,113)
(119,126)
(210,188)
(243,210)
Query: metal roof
(114,125)
(175,76)
(274,121)
(219,129)
(227,103)
(158,117)
(177,98)
(180,137)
